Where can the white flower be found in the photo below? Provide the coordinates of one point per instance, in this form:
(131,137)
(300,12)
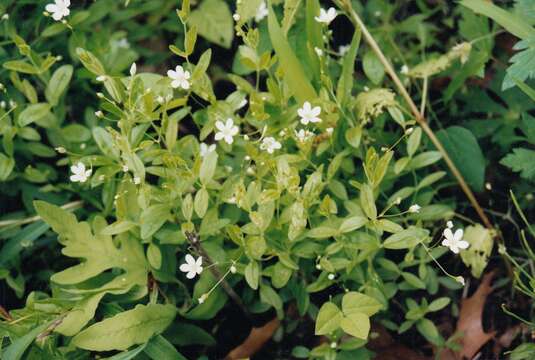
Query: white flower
(227,131)
(261,12)
(329,131)
(133,69)
(303,135)
(309,114)
(79,173)
(270,145)
(59,9)
(326,17)
(454,241)
(318,51)
(101,78)
(404,70)
(460,280)
(192,267)
(61,150)
(99,114)
(137,180)
(449,224)
(125,168)
(206,149)
(414,208)
(233,269)
(409,131)
(334,345)
(180,77)
(236,17)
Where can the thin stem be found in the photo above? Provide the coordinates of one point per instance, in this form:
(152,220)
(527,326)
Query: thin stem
(193,239)
(424,96)
(346,5)
(69,206)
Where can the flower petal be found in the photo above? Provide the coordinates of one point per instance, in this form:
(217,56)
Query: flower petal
(191,274)
(184,268)
(458,234)
(189,259)
(448,234)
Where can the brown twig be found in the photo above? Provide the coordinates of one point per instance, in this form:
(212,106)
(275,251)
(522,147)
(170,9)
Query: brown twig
(193,239)
(420,119)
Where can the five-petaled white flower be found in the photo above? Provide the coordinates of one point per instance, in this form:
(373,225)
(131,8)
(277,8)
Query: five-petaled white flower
(79,173)
(270,144)
(261,12)
(227,131)
(192,267)
(309,113)
(326,17)
(414,208)
(59,9)
(454,240)
(180,77)
(206,149)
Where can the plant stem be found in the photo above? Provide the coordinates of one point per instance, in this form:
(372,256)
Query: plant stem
(420,119)
(194,241)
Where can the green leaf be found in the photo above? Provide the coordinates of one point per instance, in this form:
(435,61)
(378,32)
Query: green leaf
(252,274)
(345,84)
(439,304)
(7,164)
(90,61)
(214,22)
(322,232)
(329,318)
(478,253)
(80,315)
(128,355)
(126,329)
(153,218)
(429,331)
(58,83)
(270,296)
(290,11)
(21,66)
(200,204)
(294,74)
(33,113)
(521,160)
(208,167)
(154,256)
(357,325)
(511,22)
(373,68)
(413,280)
(353,223)
(367,201)
(406,239)
(19,346)
(158,348)
(463,149)
(354,302)
(105,142)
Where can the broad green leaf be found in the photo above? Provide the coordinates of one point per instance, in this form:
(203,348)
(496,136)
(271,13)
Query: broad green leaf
(270,296)
(152,219)
(353,223)
(367,201)
(290,11)
(322,232)
(90,61)
(105,142)
(406,239)
(478,253)
(439,304)
(7,164)
(329,318)
(413,142)
(214,22)
(463,149)
(429,331)
(373,68)
(425,159)
(128,355)
(252,274)
(281,275)
(354,302)
(33,113)
(126,329)
(58,83)
(154,256)
(200,204)
(294,74)
(413,280)
(80,315)
(511,22)
(357,325)
(208,167)
(21,66)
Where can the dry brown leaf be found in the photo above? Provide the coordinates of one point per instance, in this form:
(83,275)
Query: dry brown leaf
(254,342)
(470,323)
